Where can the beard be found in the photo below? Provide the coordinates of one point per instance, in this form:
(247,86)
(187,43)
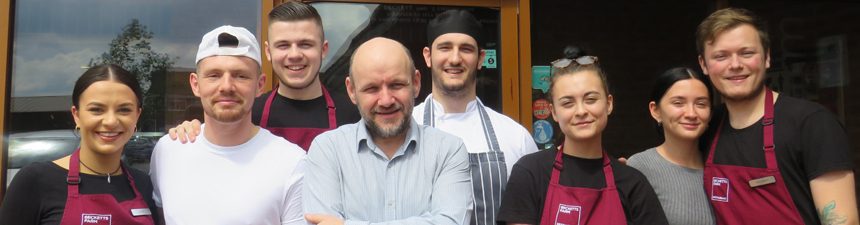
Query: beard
(227,115)
(454,88)
(387,132)
(400,126)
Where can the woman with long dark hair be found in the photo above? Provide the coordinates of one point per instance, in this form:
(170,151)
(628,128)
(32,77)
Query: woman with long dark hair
(681,107)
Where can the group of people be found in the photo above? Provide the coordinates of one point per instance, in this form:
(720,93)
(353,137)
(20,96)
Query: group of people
(302,155)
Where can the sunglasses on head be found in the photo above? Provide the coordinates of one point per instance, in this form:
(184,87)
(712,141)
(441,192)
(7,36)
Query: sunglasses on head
(583,60)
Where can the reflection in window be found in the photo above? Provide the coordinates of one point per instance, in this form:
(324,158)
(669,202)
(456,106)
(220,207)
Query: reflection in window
(347,25)
(54,42)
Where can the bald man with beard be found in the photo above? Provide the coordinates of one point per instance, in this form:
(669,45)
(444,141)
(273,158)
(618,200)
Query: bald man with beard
(386,167)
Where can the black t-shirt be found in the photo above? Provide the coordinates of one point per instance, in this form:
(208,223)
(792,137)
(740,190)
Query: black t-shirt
(525,193)
(312,113)
(37,195)
(809,141)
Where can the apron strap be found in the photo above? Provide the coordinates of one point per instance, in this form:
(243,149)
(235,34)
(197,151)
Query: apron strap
(489,132)
(130,179)
(714,141)
(767,130)
(607,172)
(264,120)
(73,178)
(558,166)
(767,125)
(329,103)
(428,111)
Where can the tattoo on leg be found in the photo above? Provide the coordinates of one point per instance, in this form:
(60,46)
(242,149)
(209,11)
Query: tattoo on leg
(829,217)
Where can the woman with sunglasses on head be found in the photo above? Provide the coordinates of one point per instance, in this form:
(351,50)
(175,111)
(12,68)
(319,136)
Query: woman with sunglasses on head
(578,183)
(90,186)
(681,106)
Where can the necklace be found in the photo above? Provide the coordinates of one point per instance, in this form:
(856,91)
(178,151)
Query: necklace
(99,173)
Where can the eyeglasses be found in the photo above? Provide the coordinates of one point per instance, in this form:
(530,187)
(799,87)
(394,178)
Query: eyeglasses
(583,60)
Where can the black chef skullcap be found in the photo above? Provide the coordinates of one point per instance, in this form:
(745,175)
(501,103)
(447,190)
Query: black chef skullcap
(454,21)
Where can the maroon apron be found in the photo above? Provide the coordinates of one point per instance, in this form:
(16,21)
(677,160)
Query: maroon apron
(86,209)
(302,136)
(581,206)
(748,195)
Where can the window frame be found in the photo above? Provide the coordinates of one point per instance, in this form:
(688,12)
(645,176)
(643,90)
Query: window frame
(515,72)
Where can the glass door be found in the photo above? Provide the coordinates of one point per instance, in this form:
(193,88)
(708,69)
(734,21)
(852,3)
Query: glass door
(347,25)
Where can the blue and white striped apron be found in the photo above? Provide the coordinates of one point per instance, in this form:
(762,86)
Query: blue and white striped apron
(489,172)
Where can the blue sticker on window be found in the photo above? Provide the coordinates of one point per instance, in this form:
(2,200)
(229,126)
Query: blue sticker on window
(543,131)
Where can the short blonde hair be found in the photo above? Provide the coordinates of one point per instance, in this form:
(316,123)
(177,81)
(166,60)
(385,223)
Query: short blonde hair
(726,19)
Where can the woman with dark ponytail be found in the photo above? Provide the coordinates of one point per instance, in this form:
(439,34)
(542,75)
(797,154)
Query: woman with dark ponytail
(681,107)
(90,186)
(578,183)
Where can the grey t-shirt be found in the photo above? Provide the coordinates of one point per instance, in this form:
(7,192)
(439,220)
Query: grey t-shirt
(680,189)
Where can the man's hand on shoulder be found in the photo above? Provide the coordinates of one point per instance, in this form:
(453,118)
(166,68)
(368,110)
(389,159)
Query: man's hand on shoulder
(322,219)
(185,132)
(622,160)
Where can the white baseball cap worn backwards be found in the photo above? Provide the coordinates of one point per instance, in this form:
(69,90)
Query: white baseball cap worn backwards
(229,40)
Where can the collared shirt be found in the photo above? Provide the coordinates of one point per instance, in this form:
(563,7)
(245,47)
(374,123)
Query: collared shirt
(427,181)
(514,140)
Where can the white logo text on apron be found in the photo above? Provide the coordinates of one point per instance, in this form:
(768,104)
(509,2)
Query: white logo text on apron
(99,219)
(720,189)
(568,214)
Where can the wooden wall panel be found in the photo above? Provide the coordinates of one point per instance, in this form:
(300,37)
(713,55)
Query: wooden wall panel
(5,63)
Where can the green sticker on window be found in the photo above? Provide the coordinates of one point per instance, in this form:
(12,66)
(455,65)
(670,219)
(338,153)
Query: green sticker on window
(540,78)
(490,60)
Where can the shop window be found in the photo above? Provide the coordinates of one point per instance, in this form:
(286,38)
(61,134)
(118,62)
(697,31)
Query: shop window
(347,25)
(54,42)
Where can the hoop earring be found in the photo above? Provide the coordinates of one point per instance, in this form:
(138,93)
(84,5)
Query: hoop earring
(77,131)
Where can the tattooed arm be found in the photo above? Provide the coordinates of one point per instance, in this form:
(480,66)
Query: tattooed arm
(834,197)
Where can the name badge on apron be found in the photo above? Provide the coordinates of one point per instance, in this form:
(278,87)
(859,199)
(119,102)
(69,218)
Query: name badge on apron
(141,212)
(762,181)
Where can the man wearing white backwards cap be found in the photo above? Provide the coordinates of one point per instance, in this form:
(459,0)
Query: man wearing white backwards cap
(236,173)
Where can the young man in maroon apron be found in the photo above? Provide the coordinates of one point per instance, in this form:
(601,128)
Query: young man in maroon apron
(774,159)
(300,108)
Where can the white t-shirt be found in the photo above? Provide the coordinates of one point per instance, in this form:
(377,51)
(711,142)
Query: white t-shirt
(514,140)
(257,182)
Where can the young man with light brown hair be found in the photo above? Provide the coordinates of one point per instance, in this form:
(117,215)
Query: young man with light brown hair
(773,159)
(300,108)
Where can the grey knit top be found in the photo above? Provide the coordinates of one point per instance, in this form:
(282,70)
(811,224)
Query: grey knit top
(680,189)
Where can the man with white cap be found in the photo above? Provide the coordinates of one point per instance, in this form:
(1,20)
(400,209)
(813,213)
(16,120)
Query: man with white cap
(236,173)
